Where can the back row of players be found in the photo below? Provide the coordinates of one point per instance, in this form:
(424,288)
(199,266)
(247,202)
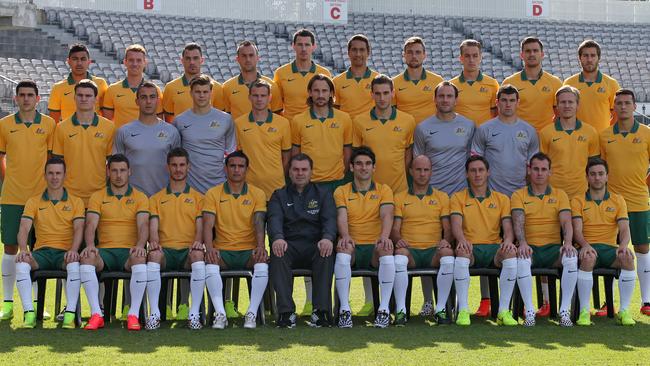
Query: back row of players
(325,133)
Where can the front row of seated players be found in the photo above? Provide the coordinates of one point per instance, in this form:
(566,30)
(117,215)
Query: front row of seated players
(369,221)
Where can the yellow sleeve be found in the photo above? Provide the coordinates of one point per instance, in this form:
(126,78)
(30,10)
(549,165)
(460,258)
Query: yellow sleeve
(95,203)
(200,199)
(276,98)
(409,135)
(399,201)
(260,200)
(505,207)
(347,130)
(54,104)
(564,204)
(576,207)
(456,204)
(295,131)
(286,137)
(339,197)
(225,91)
(648,140)
(3,139)
(444,203)
(594,144)
(153,206)
(516,203)
(109,99)
(357,136)
(159,106)
(386,195)
(621,214)
(102,86)
(30,209)
(612,95)
(209,203)
(168,100)
(603,143)
(79,208)
(50,138)
(276,80)
(495,89)
(543,141)
(109,144)
(57,147)
(217,96)
(143,203)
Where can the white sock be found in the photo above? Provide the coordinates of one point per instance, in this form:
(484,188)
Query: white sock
(8,276)
(585,283)
(507,282)
(626,283)
(444,281)
(24,284)
(215,287)
(138,286)
(461,280)
(386,277)
(525,283)
(153,287)
(568,281)
(485,287)
(308,289)
(642,270)
(342,275)
(258,286)
(427,288)
(197,285)
(367,290)
(545,294)
(401,282)
(91,287)
(73,284)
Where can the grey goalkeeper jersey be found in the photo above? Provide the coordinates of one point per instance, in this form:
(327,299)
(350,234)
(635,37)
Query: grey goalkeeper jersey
(507,147)
(147,146)
(208,139)
(447,144)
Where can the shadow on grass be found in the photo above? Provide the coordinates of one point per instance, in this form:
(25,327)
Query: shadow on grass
(417,335)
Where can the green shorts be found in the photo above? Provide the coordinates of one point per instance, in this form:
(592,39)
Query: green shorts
(422,257)
(639,227)
(236,259)
(545,256)
(175,259)
(49,259)
(484,255)
(10,223)
(606,255)
(334,184)
(114,258)
(363,256)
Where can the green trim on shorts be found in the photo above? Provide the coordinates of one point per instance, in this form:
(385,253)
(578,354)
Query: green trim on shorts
(236,259)
(175,259)
(334,184)
(423,257)
(114,258)
(484,255)
(606,255)
(363,256)
(545,256)
(49,259)
(10,223)
(639,227)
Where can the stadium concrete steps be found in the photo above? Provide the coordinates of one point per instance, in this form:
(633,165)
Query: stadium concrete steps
(67,39)
(29,43)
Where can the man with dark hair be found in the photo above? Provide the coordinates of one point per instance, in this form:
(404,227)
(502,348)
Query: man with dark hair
(302,229)
(478,101)
(61,104)
(119,101)
(175,237)
(601,229)
(118,218)
(626,147)
(597,90)
(236,89)
(507,143)
(292,78)
(26,138)
(234,216)
(84,141)
(541,216)
(324,133)
(536,87)
(414,87)
(388,131)
(177,98)
(364,219)
(266,138)
(58,221)
(481,224)
(352,87)
(146,142)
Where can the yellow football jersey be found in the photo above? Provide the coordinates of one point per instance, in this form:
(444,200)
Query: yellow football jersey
(353,95)
(62,95)
(422,216)
(293,87)
(482,216)
(176,98)
(364,222)
(536,97)
(415,97)
(476,98)
(542,223)
(596,99)
(177,214)
(599,218)
(120,99)
(235,96)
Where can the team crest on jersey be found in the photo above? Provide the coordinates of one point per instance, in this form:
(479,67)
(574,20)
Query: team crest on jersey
(601,90)
(368,86)
(247,202)
(492,205)
(546,89)
(188,200)
(483,90)
(66,208)
(40,131)
(581,138)
(460,131)
(99,135)
(427,88)
(130,201)
(552,200)
(636,140)
(162,136)
(433,202)
(397,129)
(521,135)
(374,196)
(272,129)
(610,209)
(214,124)
(312,204)
(312,207)
(335,125)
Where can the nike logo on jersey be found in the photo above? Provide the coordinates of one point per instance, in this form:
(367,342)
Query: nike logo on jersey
(135,134)
(345,86)
(247,129)
(290,80)
(105,202)
(163,202)
(235,92)
(610,141)
(42,208)
(309,126)
(73,135)
(187,126)
(468,204)
(12,131)
(351,199)
(556,139)
(180,92)
(68,93)
(119,95)
(496,134)
(407,203)
(586,208)
(371,128)
(222,201)
(528,203)
(289,204)
(433,132)
(400,89)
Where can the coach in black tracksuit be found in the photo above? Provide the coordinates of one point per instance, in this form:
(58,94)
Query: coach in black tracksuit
(301,223)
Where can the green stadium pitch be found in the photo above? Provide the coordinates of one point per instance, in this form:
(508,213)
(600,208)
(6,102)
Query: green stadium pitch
(419,343)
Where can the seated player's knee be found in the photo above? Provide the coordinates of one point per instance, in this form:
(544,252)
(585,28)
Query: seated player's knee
(155,256)
(463,253)
(445,252)
(506,254)
(587,264)
(402,251)
(643,248)
(133,260)
(11,249)
(381,252)
(346,250)
(627,261)
(196,256)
